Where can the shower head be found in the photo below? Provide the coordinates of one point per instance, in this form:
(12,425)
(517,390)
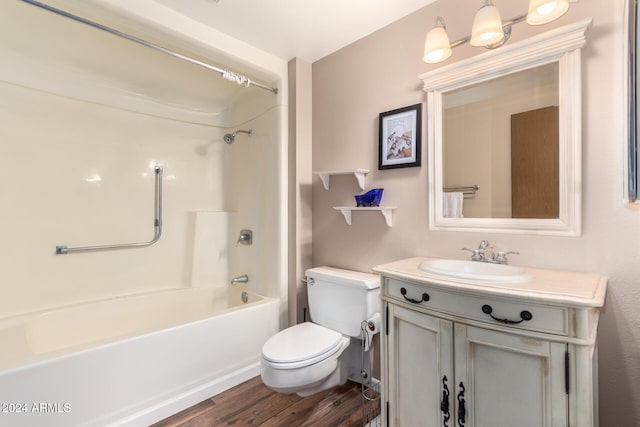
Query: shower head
(230,137)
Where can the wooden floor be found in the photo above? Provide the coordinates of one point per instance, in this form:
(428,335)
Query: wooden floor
(253,404)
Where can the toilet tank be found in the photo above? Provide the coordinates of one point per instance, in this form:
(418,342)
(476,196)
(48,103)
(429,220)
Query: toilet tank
(342,299)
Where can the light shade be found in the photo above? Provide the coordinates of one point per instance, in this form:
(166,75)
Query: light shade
(487,26)
(544,11)
(436,44)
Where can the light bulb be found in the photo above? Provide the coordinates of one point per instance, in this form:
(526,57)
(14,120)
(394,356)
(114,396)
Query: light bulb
(545,11)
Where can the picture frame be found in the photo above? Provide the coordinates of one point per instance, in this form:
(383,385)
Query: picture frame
(400,132)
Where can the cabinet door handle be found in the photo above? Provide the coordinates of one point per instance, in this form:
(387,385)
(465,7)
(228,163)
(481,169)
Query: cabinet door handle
(444,404)
(524,315)
(462,410)
(425,297)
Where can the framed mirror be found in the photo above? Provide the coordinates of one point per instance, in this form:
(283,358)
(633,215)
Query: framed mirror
(505,137)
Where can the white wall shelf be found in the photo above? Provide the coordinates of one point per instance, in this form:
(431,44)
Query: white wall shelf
(325,176)
(386,211)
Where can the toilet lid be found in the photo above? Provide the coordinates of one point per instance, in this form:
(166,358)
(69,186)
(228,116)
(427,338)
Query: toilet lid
(301,342)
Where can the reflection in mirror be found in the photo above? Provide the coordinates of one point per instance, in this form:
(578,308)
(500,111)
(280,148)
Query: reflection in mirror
(502,135)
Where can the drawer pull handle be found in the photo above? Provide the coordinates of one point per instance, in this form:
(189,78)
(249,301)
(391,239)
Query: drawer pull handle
(524,315)
(425,297)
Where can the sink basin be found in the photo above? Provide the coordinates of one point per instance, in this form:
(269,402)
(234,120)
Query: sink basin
(473,270)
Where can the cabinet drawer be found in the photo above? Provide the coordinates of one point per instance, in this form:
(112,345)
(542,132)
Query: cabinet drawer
(507,312)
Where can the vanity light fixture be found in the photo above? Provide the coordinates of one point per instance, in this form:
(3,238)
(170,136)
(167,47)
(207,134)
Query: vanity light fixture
(436,46)
(488,29)
(487,26)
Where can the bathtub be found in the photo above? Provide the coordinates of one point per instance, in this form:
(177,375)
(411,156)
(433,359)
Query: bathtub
(130,361)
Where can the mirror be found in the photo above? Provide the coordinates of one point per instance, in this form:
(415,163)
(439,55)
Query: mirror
(504,136)
(500,147)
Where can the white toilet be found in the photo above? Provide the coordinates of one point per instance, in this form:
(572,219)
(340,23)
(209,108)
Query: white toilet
(311,357)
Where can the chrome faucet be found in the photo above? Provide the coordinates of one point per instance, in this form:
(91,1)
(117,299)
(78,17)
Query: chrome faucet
(480,253)
(485,254)
(501,257)
(240,279)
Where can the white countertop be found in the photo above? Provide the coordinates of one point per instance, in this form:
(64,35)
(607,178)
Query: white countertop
(548,286)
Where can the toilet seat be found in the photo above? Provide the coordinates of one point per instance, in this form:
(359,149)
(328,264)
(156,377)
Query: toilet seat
(301,345)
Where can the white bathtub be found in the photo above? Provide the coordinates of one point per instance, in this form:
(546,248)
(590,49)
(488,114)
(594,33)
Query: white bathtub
(130,361)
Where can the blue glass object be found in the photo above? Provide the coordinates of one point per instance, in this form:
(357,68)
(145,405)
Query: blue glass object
(370,198)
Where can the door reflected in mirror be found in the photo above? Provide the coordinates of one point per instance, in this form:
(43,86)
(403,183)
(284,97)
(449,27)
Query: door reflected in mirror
(502,136)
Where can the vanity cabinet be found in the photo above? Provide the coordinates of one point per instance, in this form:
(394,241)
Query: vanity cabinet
(459,353)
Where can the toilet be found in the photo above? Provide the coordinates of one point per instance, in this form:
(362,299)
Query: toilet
(314,356)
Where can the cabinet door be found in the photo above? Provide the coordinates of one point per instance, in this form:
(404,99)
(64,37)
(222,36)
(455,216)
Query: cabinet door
(509,380)
(419,357)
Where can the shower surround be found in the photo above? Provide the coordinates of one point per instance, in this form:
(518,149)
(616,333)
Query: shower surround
(87,118)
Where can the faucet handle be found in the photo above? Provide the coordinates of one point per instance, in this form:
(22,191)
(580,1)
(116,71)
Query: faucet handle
(245,237)
(476,254)
(501,257)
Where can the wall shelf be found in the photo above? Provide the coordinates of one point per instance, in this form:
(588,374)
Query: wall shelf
(386,211)
(325,176)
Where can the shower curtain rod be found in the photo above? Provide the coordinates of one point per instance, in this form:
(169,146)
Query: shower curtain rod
(226,74)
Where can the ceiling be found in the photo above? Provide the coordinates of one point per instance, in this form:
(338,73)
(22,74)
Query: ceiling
(306,29)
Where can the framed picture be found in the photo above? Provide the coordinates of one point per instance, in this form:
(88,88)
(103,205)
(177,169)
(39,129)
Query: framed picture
(400,132)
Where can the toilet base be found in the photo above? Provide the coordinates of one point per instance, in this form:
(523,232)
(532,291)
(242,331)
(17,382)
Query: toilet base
(312,379)
(337,377)
(333,372)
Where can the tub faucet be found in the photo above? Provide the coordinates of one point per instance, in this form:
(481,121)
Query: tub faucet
(240,279)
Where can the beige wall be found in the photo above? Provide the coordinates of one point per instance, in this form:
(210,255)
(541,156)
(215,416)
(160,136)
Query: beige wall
(379,73)
(300,192)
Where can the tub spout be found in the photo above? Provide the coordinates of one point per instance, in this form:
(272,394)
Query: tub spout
(240,279)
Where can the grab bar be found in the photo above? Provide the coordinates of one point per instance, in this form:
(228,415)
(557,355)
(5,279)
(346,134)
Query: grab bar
(157,225)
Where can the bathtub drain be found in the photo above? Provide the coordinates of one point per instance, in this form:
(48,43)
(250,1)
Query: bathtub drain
(245,297)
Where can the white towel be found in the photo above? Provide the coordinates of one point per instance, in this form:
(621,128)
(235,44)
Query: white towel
(457,199)
(452,204)
(445,204)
